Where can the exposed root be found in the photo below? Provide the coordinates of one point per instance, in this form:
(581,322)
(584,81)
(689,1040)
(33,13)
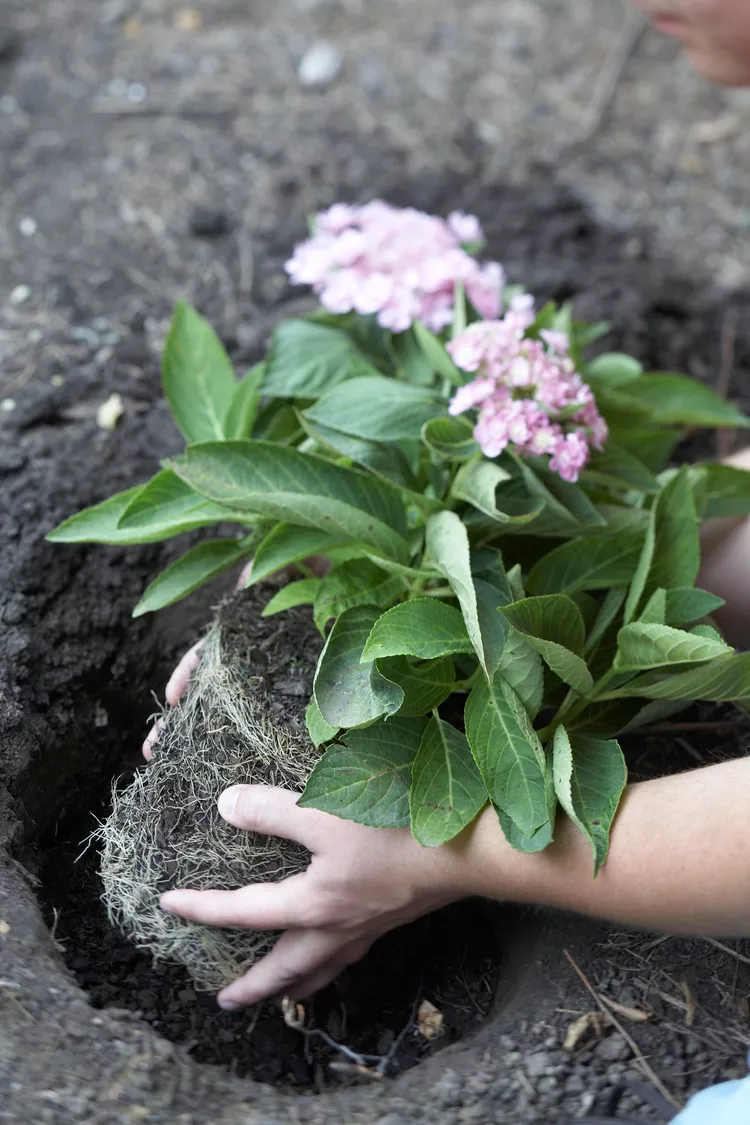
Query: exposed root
(165,831)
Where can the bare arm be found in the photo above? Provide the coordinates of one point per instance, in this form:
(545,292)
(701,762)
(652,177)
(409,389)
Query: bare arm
(679,859)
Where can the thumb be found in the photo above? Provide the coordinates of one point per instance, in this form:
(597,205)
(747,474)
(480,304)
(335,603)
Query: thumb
(271,812)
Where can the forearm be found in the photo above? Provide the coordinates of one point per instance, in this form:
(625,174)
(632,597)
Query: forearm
(679,859)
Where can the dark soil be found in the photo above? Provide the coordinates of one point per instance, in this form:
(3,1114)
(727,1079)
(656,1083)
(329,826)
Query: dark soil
(113,187)
(449,959)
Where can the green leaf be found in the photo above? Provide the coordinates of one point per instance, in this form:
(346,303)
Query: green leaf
(167,502)
(493,627)
(727,491)
(385,459)
(447,790)
(608,611)
(413,365)
(293,594)
(553,625)
(368,779)
(686,604)
(348,689)
(621,406)
(642,646)
(357,582)
(319,730)
(243,405)
(197,377)
(564,509)
(447,546)
(282,484)
(425,685)
(450,438)
(590,778)
(278,421)
(286,543)
(477,482)
(614,368)
(521,667)
(436,354)
(422,627)
(679,400)
(653,446)
(515,583)
(508,752)
(655,610)
(518,840)
(101,522)
(615,467)
(720,681)
(589,563)
(308,359)
(671,549)
(196,567)
(376,408)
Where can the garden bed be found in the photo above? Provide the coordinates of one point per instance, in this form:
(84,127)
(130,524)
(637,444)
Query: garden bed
(75,678)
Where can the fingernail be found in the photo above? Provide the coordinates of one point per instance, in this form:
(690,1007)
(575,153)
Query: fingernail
(229,1005)
(228,801)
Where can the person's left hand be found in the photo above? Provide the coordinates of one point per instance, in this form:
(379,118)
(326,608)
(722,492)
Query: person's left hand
(361,883)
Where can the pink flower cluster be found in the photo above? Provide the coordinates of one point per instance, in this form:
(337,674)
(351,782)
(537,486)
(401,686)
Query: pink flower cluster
(527,392)
(399,263)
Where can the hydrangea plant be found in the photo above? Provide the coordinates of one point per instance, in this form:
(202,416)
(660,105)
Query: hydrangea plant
(511,560)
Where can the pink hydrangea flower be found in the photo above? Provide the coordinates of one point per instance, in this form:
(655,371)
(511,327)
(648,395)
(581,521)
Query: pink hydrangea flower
(528,393)
(398,263)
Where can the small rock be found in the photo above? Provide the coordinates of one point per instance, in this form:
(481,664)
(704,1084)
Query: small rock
(537,1064)
(209,222)
(290,687)
(110,412)
(613,1049)
(391,1119)
(136,92)
(11,460)
(320,64)
(7,405)
(20,294)
(28,226)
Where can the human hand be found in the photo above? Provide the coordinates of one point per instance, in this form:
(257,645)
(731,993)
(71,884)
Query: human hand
(361,882)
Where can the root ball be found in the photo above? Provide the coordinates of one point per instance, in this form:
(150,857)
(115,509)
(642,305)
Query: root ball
(241,721)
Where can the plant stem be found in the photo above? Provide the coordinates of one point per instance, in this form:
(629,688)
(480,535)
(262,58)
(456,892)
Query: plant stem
(571,710)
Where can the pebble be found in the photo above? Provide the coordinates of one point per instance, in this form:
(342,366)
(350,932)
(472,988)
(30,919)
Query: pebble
(537,1064)
(391,1119)
(136,92)
(320,64)
(613,1049)
(7,405)
(20,294)
(209,222)
(28,226)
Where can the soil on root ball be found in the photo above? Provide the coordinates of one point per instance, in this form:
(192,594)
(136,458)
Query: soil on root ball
(449,959)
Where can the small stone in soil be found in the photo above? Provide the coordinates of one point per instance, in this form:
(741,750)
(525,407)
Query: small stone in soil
(209,222)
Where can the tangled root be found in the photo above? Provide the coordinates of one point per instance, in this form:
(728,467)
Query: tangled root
(165,831)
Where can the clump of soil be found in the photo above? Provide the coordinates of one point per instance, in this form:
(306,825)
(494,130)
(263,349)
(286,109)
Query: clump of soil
(241,721)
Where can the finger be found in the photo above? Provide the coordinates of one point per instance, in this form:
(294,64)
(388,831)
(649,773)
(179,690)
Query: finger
(178,681)
(273,812)
(323,976)
(262,906)
(296,957)
(151,739)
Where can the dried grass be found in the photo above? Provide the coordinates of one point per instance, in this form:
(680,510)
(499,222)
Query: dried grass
(165,831)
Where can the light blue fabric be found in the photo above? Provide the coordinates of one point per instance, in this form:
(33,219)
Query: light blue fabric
(726,1104)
